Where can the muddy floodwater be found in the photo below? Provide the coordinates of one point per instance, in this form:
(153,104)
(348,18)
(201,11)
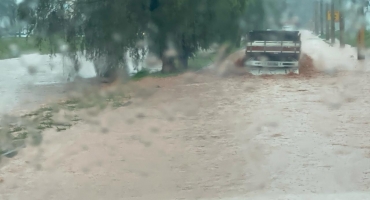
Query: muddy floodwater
(200,136)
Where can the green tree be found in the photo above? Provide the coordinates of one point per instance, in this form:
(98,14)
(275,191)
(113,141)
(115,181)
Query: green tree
(8,9)
(8,15)
(107,29)
(101,29)
(27,13)
(190,25)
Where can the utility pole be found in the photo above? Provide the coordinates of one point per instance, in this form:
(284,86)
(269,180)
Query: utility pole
(341,24)
(361,33)
(316,18)
(322,17)
(332,22)
(327,25)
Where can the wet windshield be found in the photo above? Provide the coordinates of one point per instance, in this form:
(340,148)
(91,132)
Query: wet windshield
(184,99)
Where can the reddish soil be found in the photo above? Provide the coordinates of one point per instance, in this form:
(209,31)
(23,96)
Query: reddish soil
(306,67)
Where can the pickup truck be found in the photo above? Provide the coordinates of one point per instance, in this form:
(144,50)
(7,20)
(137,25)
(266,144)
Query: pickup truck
(273,50)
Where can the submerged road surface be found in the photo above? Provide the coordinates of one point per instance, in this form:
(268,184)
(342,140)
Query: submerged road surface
(198,136)
(19,76)
(32,79)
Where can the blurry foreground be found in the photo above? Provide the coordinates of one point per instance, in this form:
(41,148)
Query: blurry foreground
(209,135)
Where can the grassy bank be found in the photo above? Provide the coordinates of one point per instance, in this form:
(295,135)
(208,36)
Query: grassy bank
(15,46)
(199,61)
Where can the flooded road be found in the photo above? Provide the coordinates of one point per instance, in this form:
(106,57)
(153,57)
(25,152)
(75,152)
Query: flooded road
(19,75)
(252,137)
(33,79)
(199,136)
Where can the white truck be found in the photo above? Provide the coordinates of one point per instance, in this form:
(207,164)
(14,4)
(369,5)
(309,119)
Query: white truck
(273,51)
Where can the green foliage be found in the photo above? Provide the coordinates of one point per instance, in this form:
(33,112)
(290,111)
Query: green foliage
(96,27)
(197,62)
(194,24)
(109,28)
(8,9)
(8,15)
(141,74)
(201,60)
